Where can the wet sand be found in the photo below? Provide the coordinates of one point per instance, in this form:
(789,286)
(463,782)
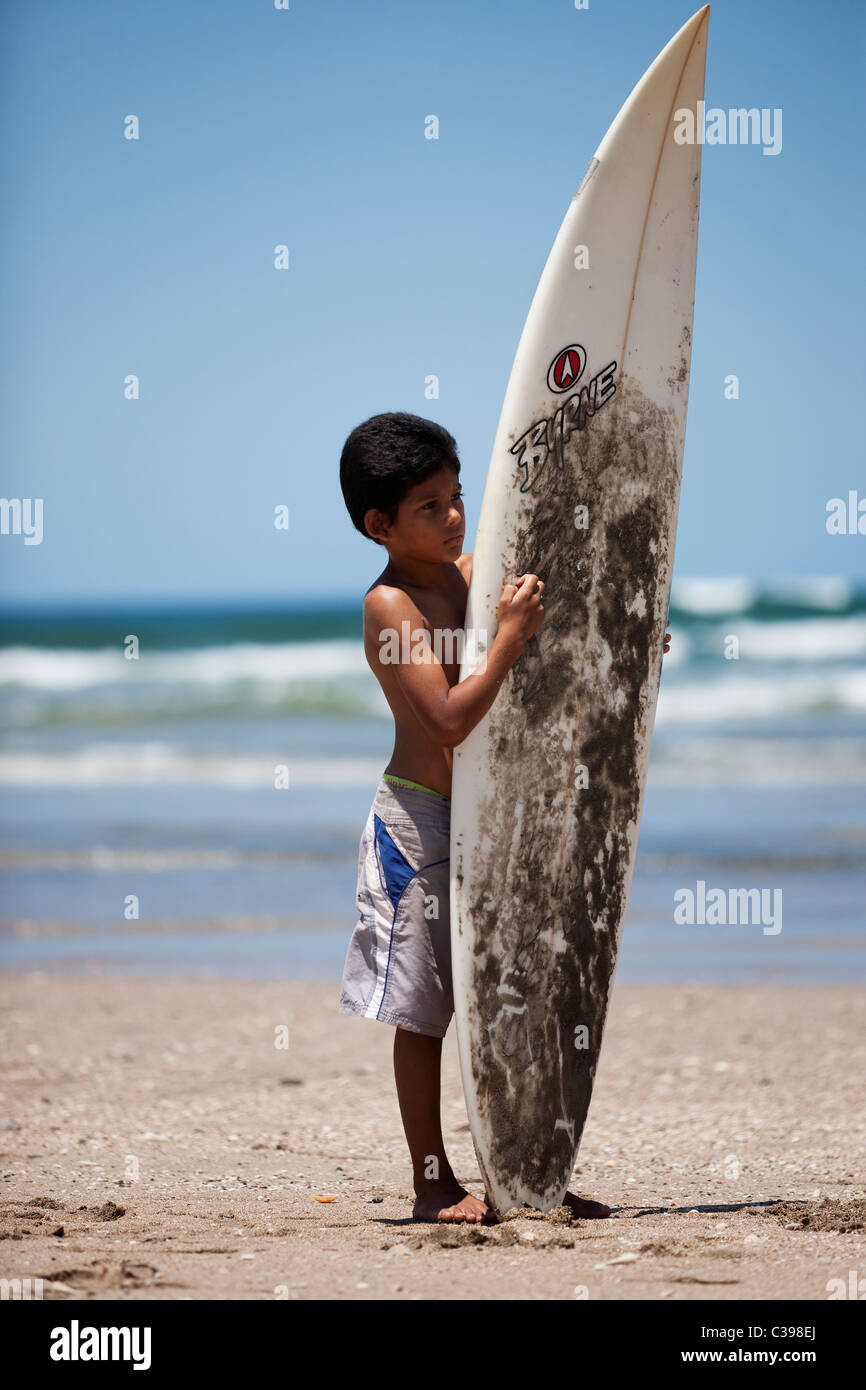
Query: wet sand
(158,1142)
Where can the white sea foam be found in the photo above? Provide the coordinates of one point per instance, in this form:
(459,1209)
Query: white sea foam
(814,590)
(771,697)
(161,764)
(804,639)
(260,662)
(735,593)
(685,761)
(724,594)
(740,762)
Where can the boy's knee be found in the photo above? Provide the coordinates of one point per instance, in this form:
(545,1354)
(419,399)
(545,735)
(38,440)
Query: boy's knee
(412,1038)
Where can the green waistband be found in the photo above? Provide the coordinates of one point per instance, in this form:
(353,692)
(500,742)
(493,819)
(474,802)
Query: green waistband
(415,786)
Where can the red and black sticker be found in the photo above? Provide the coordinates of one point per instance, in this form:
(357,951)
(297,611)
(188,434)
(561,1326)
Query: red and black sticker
(567,368)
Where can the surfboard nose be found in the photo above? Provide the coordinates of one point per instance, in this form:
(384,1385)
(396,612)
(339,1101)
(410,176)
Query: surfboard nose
(678,69)
(692,27)
(684,38)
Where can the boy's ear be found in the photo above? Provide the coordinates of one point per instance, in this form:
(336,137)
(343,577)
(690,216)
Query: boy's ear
(376,525)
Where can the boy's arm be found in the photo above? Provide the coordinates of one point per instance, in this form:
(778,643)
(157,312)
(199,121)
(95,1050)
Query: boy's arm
(449,713)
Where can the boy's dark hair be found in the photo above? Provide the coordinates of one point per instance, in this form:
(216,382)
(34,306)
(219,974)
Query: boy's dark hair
(387,455)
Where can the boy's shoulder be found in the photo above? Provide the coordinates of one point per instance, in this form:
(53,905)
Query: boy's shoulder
(384,600)
(387,608)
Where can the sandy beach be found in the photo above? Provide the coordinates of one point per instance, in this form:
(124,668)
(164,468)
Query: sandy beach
(159,1141)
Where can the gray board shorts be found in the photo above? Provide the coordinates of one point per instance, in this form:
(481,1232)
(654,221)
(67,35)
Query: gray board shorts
(398,965)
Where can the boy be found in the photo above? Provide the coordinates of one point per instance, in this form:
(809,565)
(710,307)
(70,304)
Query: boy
(400,480)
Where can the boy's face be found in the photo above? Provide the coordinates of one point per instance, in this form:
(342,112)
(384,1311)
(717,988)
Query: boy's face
(430,523)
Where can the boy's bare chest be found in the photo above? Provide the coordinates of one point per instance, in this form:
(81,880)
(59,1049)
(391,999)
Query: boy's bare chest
(441,612)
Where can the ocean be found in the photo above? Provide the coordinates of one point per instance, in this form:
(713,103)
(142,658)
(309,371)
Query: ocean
(151,782)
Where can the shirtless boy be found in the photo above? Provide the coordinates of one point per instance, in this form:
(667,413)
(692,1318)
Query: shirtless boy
(400,479)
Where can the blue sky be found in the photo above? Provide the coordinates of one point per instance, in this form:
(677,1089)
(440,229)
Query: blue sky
(409,257)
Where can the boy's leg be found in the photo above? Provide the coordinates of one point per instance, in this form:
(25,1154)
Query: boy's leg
(417,1072)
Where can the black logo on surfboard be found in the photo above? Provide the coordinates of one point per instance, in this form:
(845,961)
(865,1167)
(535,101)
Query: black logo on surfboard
(549,436)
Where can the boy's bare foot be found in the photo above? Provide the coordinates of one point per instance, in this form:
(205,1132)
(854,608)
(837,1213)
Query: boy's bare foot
(584,1208)
(444,1201)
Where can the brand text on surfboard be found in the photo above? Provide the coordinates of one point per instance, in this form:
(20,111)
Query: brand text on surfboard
(549,436)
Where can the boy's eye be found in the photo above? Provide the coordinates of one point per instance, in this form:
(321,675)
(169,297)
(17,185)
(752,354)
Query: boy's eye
(432,502)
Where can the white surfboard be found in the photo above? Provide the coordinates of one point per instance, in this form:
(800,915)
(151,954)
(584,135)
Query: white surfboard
(583,490)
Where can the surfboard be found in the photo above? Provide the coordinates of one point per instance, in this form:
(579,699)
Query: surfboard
(582,490)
